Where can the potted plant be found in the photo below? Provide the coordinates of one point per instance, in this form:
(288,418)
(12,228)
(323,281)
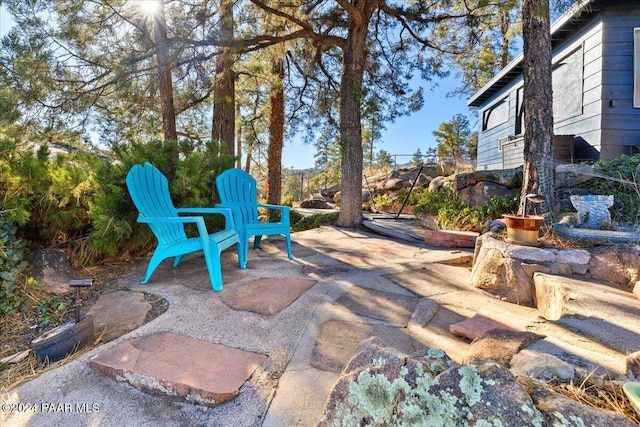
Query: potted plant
(65,339)
(525,229)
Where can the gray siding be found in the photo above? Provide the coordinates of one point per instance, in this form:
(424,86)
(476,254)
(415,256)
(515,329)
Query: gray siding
(489,150)
(608,124)
(621,122)
(585,126)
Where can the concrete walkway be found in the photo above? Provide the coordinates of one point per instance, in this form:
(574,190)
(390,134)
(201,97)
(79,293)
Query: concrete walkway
(294,323)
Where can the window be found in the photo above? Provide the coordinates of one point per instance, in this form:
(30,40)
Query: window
(519,129)
(636,68)
(497,114)
(567,86)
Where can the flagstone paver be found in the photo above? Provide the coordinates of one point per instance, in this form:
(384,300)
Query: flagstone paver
(321,267)
(381,305)
(179,367)
(228,276)
(119,312)
(266,296)
(338,340)
(476,326)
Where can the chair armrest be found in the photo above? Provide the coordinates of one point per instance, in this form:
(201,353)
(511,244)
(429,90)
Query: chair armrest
(177,219)
(228,223)
(284,211)
(197,220)
(276,207)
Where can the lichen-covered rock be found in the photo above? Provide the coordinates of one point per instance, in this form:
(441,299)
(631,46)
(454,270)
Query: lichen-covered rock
(487,395)
(386,392)
(559,410)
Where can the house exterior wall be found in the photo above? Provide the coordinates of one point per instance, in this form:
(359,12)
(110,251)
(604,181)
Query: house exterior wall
(586,126)
(604,121)
(620,121)
(489,145)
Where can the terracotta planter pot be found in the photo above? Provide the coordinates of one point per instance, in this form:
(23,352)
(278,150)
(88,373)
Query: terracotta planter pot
(63,340)
(523,229)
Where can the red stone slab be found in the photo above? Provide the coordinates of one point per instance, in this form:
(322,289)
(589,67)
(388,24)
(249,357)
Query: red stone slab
(266,296)
(476,326)
(179,367)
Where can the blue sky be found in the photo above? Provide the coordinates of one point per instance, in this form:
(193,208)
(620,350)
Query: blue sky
(406,134)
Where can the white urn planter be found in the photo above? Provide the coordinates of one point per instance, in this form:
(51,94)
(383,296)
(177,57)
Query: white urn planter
(593,210)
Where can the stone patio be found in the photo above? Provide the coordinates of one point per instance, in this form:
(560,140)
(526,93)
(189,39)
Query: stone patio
(272,343)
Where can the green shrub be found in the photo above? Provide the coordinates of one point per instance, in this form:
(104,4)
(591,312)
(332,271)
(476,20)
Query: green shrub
(453,213)
(47,199)
(430,202)
(13,262)
(294,217)
(287,201)
(315,221)
(191,169)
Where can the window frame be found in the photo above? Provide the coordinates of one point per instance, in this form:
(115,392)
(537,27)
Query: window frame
(636,67)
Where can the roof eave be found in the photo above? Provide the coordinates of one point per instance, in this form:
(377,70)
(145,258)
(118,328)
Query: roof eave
(477,98)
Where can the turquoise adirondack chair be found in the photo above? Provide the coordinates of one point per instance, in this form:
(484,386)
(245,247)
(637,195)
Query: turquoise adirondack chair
(149,190)
(237,191)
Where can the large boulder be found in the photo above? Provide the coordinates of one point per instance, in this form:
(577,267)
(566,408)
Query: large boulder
(510,178)
(618,263)
(331,191)
(506,270)
(480,193)
(383,387)
(393,184)
(437,183)
(314,204)
(570,175)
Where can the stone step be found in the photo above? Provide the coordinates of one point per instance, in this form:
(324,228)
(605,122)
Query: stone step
(606,313)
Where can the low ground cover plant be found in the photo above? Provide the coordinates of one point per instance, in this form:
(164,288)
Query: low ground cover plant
(453,213)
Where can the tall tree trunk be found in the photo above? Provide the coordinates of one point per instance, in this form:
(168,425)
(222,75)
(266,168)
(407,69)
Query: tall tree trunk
(276,134)
(164,73)
(238,140)
(353,63)
(249,159)
(505,25)
(223,129)
(538,106)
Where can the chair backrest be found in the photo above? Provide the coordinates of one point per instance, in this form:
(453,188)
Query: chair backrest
(238,190)
(149,190)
